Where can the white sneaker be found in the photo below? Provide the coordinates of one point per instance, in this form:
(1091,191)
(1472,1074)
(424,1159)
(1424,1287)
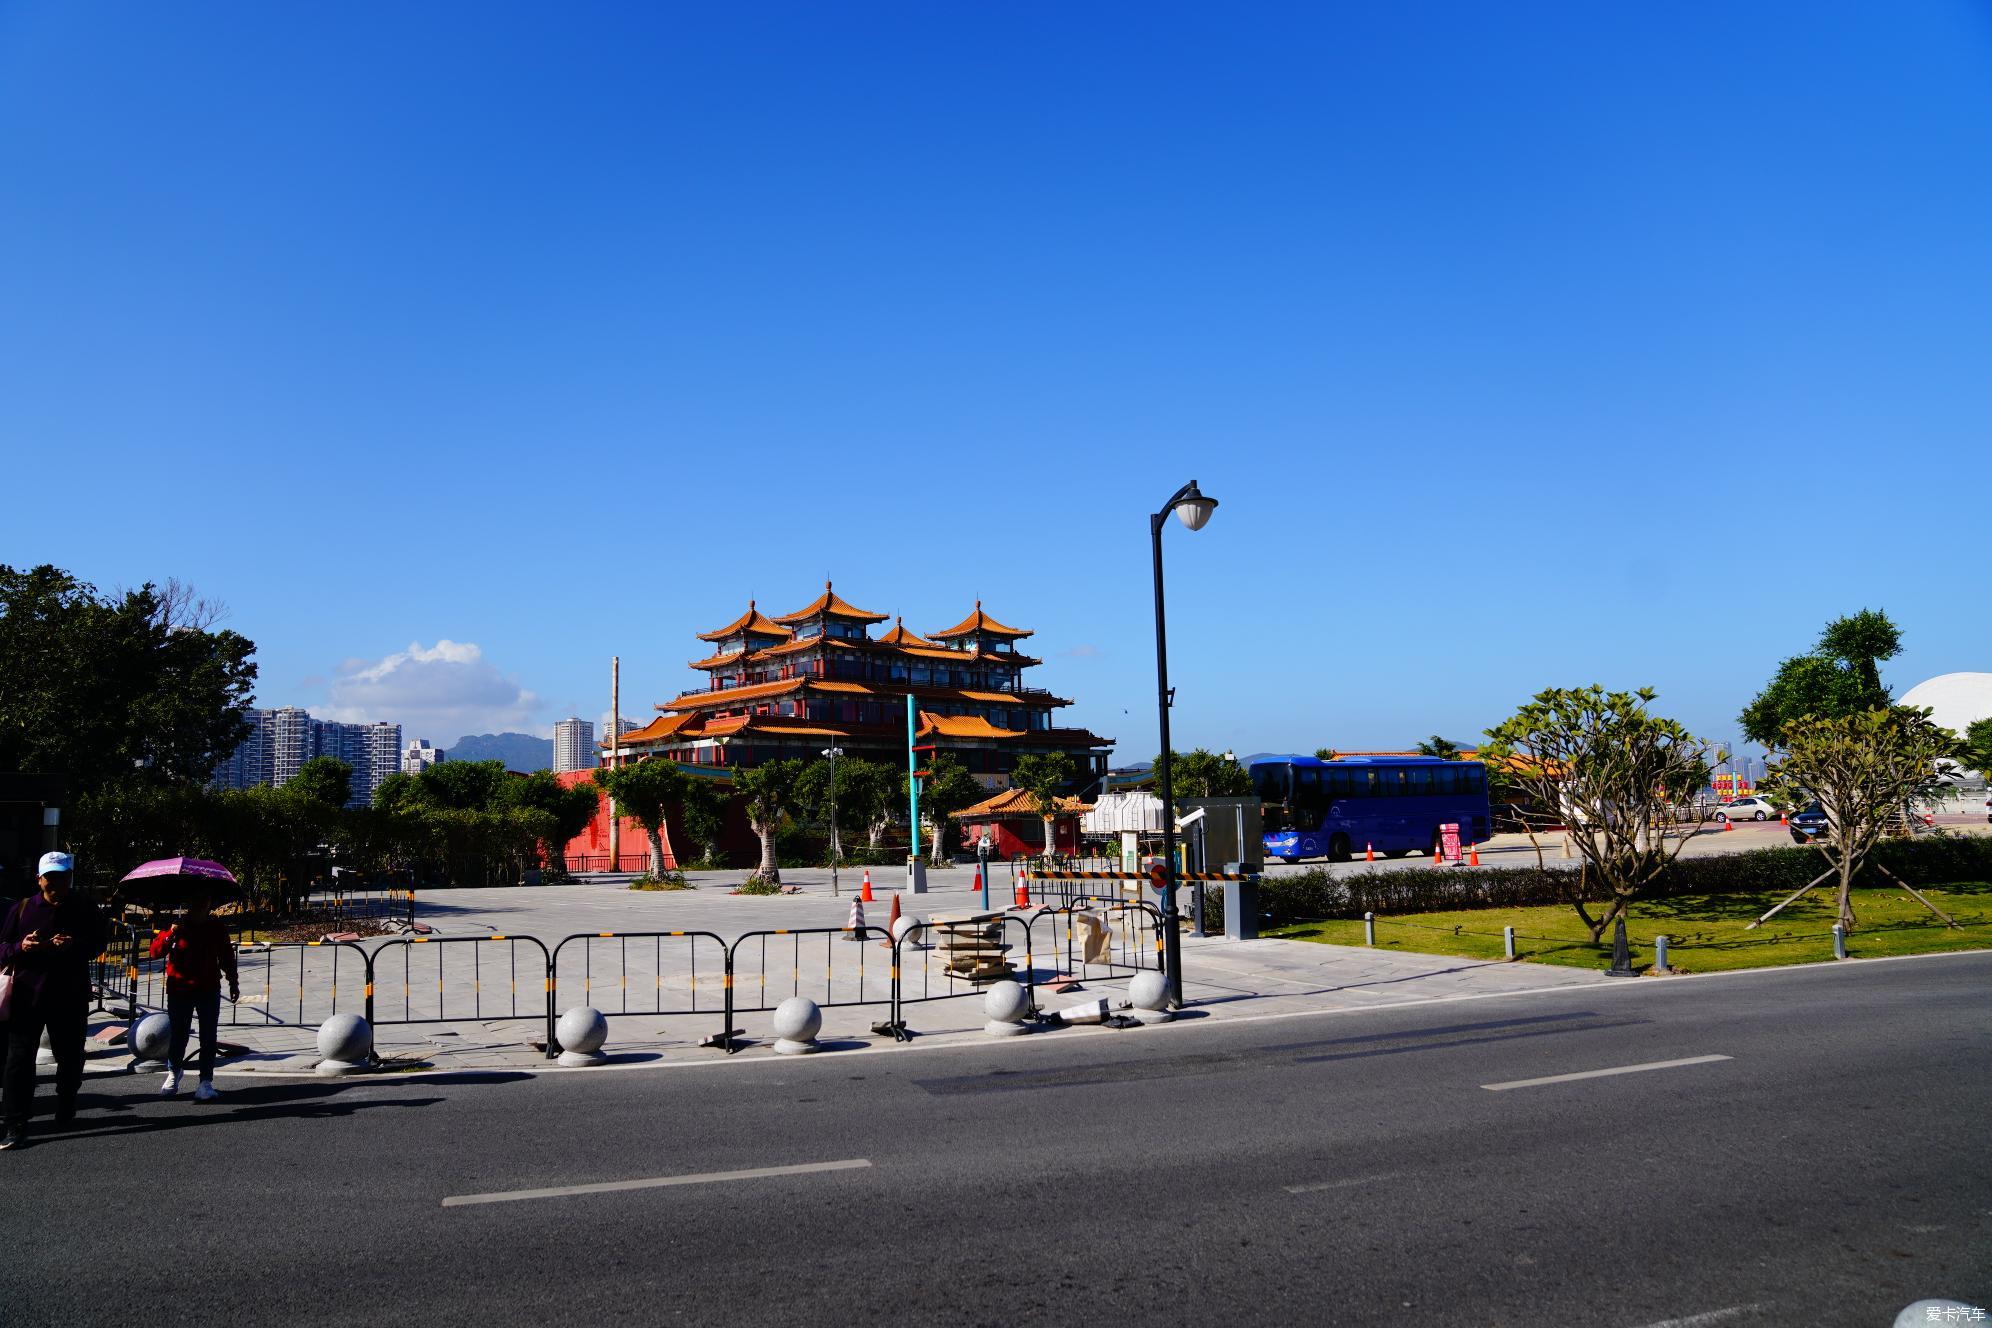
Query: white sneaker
(170,1085)
(204,1091)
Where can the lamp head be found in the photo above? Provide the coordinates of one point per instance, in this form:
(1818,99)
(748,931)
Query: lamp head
(1193,509)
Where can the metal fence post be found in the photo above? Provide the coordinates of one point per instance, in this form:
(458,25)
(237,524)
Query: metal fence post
(369,988)
(1508,941)
(1369,929)
(726,1034)
(1839,941)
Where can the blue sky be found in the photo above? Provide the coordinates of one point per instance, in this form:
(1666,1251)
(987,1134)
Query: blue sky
(460,347)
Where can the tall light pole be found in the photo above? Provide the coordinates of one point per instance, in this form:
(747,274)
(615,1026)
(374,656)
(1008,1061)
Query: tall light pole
(836,841)
(1189,506)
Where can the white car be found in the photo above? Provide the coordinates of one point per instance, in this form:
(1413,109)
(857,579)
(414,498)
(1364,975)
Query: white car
(1745,809)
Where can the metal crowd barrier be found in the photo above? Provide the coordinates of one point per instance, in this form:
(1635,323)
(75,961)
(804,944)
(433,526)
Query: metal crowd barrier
(427,979)
(686,972)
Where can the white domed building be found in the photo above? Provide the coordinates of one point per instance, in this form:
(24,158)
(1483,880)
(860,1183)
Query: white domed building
(1956,701)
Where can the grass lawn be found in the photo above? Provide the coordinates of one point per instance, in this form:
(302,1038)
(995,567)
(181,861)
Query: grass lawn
(1705,932)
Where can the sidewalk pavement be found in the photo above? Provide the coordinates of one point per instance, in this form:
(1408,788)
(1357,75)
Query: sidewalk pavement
(1223,980)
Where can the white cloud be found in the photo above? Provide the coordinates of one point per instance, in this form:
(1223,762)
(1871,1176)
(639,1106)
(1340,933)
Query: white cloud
(440,692)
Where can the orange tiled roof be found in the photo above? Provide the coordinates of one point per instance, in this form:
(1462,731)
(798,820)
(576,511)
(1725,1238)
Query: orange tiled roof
(664,726)
(1019,802)
(733,695)
(899,636)
(751,621)
(721,660)
(963,726)
(979,622)
(830,603)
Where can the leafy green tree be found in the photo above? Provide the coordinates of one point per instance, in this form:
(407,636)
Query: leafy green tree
(398,792)
(1864,770)
(466,786)
(947,789)
(769,791)
(112,689)
(325,779)
(879,792)
(1976,753)
(1840,676)
(643,791)
(1613,769)
(1201,773)
(568,808)
(1324,753)
(703,805)
(856,791)
(1044,776)
(1439,747)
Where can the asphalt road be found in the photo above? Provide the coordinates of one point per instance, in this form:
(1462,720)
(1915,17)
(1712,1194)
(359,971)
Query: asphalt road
(1336,1168)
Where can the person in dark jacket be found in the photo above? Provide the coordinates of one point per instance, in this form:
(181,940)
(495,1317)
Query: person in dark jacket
(198,952)
(47,943)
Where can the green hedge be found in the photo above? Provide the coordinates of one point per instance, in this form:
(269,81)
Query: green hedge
(1315,895)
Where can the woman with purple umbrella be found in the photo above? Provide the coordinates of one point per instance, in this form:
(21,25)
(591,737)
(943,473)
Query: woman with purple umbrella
(198,954)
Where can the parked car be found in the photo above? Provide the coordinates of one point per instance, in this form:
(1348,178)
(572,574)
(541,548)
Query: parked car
(1808,825)
(1745,809)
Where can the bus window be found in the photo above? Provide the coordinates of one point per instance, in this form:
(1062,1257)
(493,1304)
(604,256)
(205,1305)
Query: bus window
(1269,782)
(1421,781)
(1445,780)
(1476,779)
(1307,786)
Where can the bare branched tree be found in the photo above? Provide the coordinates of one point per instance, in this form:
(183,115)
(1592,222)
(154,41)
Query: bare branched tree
(1613,770)
(1864,770)
(182,608)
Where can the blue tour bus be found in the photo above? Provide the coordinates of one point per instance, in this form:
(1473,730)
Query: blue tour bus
(1394,804)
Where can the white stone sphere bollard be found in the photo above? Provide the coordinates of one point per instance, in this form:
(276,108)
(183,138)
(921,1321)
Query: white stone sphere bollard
(344,1043)
(797,1021)
(906,930)
(1149,993)
(151,1038)
(1005,1003)
(581,1033)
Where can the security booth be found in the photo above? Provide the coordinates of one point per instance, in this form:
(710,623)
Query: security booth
(1230,830)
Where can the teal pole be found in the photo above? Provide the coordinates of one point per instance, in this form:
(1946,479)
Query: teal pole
(913,779)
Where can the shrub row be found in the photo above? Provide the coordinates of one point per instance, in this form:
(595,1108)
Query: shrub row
(1314,895)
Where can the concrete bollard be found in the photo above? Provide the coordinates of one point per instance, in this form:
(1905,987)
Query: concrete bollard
(1660,955)
(581,1033)
(344,1044)
(1839,941)
(907,932)
(1369,929)
(1004,1005)
(797,1022)
(151,1038)
(1149,994)
(1508,942)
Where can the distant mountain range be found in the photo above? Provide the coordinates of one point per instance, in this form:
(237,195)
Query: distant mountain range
(519,751)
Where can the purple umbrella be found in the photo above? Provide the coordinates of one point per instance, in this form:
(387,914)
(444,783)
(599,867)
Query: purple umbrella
(199,868)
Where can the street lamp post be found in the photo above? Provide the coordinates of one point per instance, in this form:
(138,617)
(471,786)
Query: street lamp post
(1193,509)
(836,840)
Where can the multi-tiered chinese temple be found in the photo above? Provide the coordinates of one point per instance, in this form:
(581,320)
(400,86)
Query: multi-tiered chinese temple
(794,685)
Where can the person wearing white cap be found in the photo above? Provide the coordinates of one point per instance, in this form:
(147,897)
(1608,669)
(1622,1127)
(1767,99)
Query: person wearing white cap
(47,943)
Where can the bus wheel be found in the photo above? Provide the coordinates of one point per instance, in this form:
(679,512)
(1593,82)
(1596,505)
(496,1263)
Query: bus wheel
(1338,849)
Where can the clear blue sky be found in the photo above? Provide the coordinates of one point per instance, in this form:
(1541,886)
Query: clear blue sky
(1524,344)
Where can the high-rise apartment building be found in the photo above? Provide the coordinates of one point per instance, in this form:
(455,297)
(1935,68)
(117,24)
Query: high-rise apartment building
(280,741)
(574,745)
(420,755)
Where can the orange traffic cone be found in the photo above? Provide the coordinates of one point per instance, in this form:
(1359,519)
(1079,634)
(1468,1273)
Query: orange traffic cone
(1729,825)
(975,886)
(1369,852)
(1783,819)
(1438,854)
(1473,855)
(866,893)
(1024,890)
(890,923)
